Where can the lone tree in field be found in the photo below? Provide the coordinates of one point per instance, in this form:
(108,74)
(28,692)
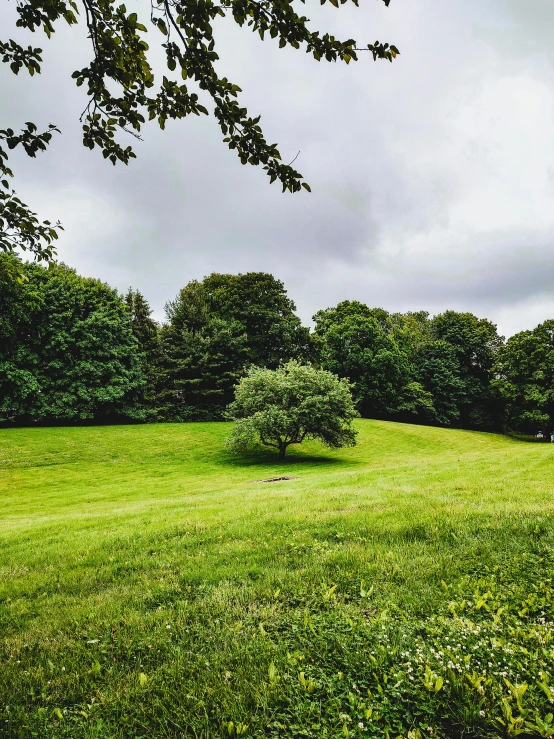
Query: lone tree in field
(287,405)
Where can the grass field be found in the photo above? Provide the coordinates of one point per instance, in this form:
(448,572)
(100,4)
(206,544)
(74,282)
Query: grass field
(151,585)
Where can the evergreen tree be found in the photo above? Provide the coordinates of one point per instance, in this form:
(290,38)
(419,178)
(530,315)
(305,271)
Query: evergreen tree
(216,329)
(202,357)
(199,370)
(146,332)
(145,329)
(190,310)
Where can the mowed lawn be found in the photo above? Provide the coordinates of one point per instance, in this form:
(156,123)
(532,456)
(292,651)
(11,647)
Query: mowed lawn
(152,585)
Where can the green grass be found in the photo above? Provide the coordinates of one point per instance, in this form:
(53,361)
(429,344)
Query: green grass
(150,585)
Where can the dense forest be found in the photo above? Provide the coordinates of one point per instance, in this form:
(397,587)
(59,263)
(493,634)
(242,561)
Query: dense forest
(74,350)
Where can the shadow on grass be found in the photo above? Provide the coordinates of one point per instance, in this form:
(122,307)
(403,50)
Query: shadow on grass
(527,438)
(261,457)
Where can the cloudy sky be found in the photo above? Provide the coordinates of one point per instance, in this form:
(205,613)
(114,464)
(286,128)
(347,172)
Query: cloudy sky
(432,177)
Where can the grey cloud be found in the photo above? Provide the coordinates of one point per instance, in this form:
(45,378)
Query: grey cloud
(432,177)
(521,31)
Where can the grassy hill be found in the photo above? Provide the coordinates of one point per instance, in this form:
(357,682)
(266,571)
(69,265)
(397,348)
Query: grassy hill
(152,585)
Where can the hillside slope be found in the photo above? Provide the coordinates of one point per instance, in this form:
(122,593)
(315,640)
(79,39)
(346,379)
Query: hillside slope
(151,585)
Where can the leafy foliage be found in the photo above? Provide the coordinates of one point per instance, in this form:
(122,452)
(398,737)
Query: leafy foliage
(217,328)
(526,379)
(290,404)
(260,304)
(413,368)
(123,92)
(71,353)
(357,346)
(438,368)
(480,666)
(450,370)
(20,302)
(20,228)
(476,344)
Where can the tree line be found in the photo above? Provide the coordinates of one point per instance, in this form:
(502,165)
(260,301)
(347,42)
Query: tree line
(74,350)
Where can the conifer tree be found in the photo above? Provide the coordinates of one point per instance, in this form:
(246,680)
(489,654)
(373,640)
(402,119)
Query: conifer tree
(202,356)
(146,332)
(199,370)
(144,328)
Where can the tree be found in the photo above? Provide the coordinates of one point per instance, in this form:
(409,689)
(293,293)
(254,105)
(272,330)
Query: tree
(259,302)
(189,310)
(410,330)
(415,404)
(147,333)
(438,371)
(290,404)
(202,356)
(71,354)
(217,328)
(145,329)
(122,90)
(356,347)
(375,350)
(525,379)
(327,318)
(20,302)
(198,370)
(476,344)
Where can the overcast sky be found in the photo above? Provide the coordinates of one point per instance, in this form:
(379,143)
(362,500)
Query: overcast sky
(432,177)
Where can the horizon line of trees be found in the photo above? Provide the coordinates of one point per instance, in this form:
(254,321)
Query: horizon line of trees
(73,350)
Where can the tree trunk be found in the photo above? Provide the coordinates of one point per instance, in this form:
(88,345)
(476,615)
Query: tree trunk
(282,449)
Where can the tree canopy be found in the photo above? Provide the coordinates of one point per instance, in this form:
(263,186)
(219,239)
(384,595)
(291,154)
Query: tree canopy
(290,404)
(410,367)
(67,350)
(358,348)
(476,345)
(216,329)
(259,302)
(123,92)
(72,349)
(525,379)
